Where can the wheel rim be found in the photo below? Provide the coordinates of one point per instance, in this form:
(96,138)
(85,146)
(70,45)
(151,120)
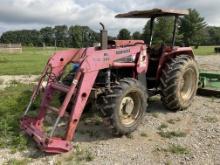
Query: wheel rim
(130,109)
(187,84)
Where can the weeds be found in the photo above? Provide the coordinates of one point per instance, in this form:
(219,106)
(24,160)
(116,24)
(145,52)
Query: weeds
(143,134)
(17,162)
(177,149)
(59,162)
(168,162)
(156,115)
(97,120)
(13,102)
(171,134)
(173,121)
(83,155)
(14,82)
(130,136)
(92,118)
(162,126)
(1,81)
(79,155)
(93,133)
(210,119)
(3,60)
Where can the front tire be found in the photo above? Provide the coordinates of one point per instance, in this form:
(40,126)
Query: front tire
(179,82)
(126,105)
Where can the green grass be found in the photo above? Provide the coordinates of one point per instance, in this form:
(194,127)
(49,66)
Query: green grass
(162,126)
(17,162)
(14,100)
(30,61)
(177,149)
(80,155)
(204,50)
(171,134)
(83,155)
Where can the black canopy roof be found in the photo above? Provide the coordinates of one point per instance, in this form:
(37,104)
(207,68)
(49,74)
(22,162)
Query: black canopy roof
(153,13)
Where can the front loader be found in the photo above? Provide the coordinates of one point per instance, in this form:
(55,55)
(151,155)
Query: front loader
(117,78)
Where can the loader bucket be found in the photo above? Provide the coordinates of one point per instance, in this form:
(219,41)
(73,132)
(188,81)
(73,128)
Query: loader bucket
(209,84)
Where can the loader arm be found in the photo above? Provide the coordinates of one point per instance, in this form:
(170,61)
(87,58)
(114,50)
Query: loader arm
(90,61)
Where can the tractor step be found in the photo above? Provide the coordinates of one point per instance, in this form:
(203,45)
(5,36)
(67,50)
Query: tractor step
(54,109)
(60,87)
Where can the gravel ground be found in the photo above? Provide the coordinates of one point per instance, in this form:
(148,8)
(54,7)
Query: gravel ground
(211,62)
(198,141)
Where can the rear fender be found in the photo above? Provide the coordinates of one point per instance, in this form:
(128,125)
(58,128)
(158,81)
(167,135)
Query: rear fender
(175,52)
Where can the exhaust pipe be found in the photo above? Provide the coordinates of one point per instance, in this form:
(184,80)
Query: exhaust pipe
(103,37)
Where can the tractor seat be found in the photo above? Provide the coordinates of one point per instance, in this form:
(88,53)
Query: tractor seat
(156,50)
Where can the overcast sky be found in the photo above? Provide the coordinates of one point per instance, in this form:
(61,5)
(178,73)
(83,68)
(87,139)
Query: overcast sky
(34,14)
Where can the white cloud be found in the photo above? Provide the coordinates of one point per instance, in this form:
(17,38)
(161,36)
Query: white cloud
(19,14)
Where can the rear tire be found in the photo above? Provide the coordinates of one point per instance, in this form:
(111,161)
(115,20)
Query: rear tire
(179,82)
(126,105)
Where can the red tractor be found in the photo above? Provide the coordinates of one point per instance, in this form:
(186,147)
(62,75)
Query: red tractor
(117,78)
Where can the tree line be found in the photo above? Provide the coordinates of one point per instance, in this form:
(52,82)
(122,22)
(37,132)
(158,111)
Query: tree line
(60,36)
(192,31)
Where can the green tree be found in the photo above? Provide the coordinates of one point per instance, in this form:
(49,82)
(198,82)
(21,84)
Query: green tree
(124,34)
(163,30)
(82,36)
(192,28)
(25,37)
(61,35)
(213,35)
(35,38)
(47,34)
(75,36)
(136,35)
(146,32)
(9,37)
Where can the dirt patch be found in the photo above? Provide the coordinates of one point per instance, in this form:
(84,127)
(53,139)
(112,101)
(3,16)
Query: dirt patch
(8,80)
